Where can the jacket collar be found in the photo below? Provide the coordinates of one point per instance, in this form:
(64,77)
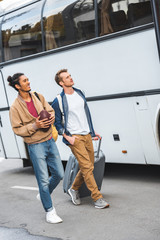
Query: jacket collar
(19,97)
(76,89)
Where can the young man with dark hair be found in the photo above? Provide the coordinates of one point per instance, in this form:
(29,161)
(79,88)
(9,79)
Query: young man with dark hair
(37,134)
(77,132)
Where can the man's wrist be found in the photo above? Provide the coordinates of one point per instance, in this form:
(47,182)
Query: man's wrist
(65,135)
(35,126)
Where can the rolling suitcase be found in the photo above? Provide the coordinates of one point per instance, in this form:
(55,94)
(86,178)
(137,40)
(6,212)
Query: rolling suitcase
(72,168)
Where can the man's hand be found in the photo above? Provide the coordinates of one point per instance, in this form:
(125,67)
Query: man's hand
(97,137)
(70,139)
(45,123)
(52,118)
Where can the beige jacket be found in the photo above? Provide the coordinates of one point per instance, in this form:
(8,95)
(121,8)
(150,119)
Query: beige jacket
(23,123)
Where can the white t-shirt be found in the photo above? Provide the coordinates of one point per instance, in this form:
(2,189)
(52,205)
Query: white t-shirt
(77,120)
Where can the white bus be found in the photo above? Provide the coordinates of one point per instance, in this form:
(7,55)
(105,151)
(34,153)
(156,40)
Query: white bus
(111,48)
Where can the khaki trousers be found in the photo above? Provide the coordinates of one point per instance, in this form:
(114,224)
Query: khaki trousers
(84,153)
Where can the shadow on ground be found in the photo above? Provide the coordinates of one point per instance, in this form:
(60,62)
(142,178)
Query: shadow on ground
(133,171)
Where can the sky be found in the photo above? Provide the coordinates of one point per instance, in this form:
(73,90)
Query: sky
(7,3)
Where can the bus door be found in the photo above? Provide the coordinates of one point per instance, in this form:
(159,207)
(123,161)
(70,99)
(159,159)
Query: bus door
(8,142)
(2,151)
(146,127)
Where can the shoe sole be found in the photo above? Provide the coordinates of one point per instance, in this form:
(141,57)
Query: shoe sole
(72,197)
(107,206)
(54,222)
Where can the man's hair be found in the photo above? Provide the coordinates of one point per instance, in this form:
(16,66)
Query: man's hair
(58,79)
(14,80)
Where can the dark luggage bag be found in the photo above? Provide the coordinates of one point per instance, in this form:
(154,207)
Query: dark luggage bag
(72,168)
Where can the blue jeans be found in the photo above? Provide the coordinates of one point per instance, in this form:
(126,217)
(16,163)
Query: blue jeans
(43,156)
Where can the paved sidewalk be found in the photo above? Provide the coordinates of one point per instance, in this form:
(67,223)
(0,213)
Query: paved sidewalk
(132,191)
(20,234)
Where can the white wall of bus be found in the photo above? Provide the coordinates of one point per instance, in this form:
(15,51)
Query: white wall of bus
(125,64)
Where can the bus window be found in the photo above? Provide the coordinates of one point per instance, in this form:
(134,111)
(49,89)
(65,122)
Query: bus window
(67,22)
(21,32)
(0,43)
(0,56)
(84,19)
(116,15)
(158,13)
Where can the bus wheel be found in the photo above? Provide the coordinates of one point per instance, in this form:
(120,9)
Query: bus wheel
(26,162)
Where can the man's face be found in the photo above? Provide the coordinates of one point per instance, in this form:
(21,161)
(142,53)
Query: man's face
(67,80)
(24,84)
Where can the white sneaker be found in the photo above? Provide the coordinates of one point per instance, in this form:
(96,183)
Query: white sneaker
(74,196)
(101,203)
(52,217)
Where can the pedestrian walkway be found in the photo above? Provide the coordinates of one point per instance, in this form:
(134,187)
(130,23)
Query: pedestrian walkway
(132,191)
(19,234)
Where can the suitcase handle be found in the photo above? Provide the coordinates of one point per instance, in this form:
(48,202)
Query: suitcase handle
(99,146)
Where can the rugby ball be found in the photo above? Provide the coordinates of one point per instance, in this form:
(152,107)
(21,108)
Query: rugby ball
(44,114)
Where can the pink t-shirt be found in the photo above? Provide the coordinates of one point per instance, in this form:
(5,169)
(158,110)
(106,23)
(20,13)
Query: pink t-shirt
(32,109)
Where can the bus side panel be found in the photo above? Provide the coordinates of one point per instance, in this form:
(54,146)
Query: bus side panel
(128,129)
(9,147)
(8,137)
(116,121)
(124,64)
(146,124)
(22,148)
(2,150)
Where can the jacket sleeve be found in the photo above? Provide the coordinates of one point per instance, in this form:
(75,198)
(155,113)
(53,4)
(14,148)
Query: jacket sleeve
(58,117)
(17,125)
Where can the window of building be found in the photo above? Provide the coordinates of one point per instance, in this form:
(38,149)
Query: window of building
(21,32)
(67,22)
